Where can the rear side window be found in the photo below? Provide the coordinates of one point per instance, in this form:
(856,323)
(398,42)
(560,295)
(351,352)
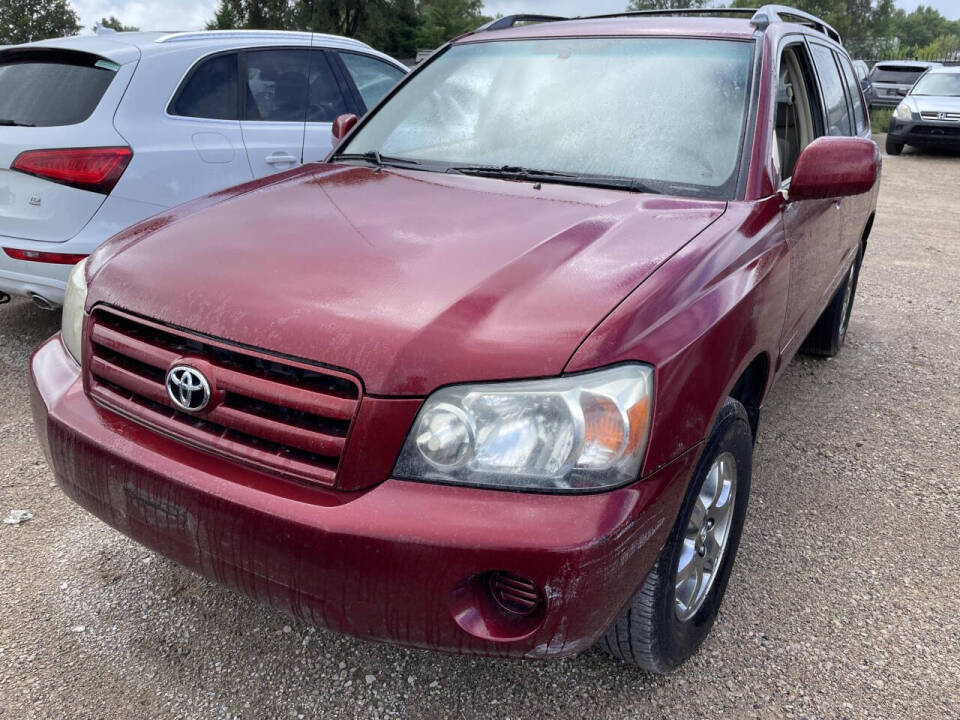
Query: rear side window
(372,77)
(899,74)
(834,99)
(853,87)
(210,91)
(49,89)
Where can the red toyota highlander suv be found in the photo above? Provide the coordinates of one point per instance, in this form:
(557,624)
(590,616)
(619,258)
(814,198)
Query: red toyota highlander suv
(487,380)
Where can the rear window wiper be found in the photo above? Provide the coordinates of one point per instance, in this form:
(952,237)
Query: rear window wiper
(515,172)
(13,123)
(374,157)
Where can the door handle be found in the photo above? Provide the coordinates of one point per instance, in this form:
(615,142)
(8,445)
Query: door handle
(280,159)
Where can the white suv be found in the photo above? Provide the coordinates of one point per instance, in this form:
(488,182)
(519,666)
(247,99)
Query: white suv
(99,132)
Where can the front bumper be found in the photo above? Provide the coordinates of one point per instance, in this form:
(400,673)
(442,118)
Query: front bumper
(398,562)
(925,132)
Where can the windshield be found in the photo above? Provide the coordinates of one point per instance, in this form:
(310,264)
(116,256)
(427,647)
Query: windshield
(938,84)
(668,113)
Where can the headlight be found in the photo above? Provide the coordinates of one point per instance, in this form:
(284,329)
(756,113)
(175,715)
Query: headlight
(71,328)
(903,111)
(571,434)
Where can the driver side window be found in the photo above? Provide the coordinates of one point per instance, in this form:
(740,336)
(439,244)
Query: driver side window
(797,118)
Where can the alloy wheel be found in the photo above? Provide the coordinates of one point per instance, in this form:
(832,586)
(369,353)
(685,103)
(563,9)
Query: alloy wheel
(706,537)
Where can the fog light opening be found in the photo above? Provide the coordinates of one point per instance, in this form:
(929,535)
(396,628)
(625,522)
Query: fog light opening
(498,606)
(513,594)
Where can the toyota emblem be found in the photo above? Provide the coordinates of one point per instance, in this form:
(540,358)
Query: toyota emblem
(188,388)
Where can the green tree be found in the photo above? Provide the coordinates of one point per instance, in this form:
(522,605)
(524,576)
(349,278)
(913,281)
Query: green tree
(394,28)
(114,24)
(398,27)
(665,4)
(28,20)
(229,16)
(445,19)
(857,21)
(922,26)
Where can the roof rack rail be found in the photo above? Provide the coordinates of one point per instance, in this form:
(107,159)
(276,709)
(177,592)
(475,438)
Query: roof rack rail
(782,13)
(192,36)
(760,18)
(718,12)
(509,21)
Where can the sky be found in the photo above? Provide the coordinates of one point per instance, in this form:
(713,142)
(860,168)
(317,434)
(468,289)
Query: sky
(194,14)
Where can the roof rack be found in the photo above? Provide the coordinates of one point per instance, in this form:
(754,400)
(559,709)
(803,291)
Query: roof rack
(782,13)
(251,34)
(509,21)
(715,12)
(760,18)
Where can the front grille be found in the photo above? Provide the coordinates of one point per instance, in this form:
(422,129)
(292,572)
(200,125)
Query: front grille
(947,117)
(931,131)
(280,415)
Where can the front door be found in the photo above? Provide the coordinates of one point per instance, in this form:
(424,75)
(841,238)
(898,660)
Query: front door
(812,227)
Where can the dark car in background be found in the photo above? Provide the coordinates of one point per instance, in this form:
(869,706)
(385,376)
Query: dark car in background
(891,80)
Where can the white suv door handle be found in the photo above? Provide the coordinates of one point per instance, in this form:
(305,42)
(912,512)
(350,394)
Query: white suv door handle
(280,159)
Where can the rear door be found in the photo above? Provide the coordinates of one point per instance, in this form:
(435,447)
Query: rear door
(192,144)
(834,256)
(53,99)
(854,210)
(274,85)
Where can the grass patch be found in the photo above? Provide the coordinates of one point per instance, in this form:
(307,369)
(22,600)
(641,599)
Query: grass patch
(880,119)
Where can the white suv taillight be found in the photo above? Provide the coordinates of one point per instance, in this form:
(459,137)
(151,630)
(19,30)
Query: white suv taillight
(94,169)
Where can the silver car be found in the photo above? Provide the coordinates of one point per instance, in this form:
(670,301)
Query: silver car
(929,116)
(100,131)
(890,81)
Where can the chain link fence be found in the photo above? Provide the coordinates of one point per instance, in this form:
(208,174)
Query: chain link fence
(945,50)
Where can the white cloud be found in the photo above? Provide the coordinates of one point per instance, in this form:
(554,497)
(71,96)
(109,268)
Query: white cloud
(147,15)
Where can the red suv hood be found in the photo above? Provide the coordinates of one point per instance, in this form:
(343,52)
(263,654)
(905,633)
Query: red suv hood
(410,279)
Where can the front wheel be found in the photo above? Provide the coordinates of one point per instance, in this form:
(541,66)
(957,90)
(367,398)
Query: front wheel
(829,333)
(893,147)
(673,611)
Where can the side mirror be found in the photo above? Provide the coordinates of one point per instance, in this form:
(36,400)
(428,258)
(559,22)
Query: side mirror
(342,125)
(835,166)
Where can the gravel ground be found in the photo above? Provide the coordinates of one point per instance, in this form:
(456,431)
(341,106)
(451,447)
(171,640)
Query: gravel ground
(843,602)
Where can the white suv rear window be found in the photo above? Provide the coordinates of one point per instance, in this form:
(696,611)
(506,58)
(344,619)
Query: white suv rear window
(51,88)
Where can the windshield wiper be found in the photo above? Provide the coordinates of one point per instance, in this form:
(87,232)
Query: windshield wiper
(13,123)
(516,172)
(374,157)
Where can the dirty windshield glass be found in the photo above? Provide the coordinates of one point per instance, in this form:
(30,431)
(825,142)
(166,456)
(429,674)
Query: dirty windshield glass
(668,113)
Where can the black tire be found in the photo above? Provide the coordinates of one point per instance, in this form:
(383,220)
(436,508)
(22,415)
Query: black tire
(893,147)
(828,335)
(650,633)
